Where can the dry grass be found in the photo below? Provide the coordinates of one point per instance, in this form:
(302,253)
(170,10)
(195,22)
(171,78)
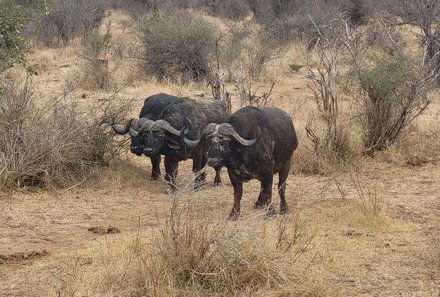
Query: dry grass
(191,254)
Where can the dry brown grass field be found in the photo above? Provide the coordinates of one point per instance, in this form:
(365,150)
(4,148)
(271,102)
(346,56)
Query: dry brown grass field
(367,228)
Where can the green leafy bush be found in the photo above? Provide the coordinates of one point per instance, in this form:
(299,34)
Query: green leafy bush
(178,46)
(394,96)
(12,44)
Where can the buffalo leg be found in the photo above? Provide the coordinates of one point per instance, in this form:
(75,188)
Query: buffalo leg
(237,184)
(199,161)
(283,174)
(265,196)
(171,169)
(218,178)
(155,163)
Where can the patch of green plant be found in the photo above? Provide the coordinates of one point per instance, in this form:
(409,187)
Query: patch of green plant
(178,45)
(12,45)
(295,67)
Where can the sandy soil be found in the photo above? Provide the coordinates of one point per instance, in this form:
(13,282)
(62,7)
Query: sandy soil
(390,258)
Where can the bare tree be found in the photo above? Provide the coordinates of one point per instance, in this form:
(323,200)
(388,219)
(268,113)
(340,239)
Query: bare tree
(424,14)
(248,92)
(392,86)
(324,87)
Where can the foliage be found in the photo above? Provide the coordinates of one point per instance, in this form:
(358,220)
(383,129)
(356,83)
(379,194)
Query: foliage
(66,20)
(177,46)
(12,44)
(394,97)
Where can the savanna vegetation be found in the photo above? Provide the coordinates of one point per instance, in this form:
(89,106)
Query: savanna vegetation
(360,79)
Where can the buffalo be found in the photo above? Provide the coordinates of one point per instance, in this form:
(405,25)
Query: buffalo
(151,110)
(162,136)
(254,143)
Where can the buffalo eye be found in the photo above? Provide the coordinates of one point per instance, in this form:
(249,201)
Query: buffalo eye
(224,142)
(158,133)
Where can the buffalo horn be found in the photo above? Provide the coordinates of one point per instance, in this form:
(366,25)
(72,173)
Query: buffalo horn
(122,131)
(209,129)
(164,125)
(139,125)
(227,129)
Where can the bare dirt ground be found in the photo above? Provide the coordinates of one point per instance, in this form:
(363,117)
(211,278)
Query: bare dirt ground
(392,256)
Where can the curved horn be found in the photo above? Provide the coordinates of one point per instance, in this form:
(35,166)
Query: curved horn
(227,129)
(210,128)
(138,125)
(162,124)
(122,131)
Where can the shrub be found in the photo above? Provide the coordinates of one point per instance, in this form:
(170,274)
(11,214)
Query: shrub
(49,144)
(67,20)
(95,59)
(177,46)
(394,95)
(12,45)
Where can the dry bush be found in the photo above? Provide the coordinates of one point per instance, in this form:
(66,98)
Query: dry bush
(248,92)
(94,55)
(51,143)
(268,45)
(327,130)
(192,254)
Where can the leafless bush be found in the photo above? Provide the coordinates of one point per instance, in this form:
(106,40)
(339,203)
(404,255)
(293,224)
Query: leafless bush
(268,45)
(95,58)
(50,143)
(333,143)
(217,82)
(67,20)
(248,92)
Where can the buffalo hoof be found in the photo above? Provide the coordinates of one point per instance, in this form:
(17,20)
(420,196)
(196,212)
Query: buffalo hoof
(283,208)
(217,182)
(155,177)
(270,212)
(233,215)
(199,186)
(259,204)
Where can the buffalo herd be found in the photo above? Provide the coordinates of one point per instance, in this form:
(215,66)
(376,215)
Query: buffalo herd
(252,143)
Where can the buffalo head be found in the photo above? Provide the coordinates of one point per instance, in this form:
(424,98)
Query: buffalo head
(147,136)
(218,138)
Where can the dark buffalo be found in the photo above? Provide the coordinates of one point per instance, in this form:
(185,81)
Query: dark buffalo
(163,136)
(254,143)
(152,110)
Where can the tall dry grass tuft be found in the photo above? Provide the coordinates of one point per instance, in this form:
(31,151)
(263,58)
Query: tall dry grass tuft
(50,142)
(192,254)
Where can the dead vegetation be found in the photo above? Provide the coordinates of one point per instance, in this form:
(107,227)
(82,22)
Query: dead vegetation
(193,255)
(51,143)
